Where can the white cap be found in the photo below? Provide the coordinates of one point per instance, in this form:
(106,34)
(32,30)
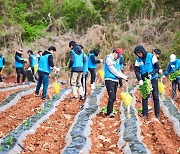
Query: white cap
(172,57)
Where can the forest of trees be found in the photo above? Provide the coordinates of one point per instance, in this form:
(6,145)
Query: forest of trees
(24,21)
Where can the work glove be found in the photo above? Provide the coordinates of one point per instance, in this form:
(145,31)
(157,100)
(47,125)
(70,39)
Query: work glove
(140,82)
(149,76)
(56,69)
(160,71)
(126,78)
(101,60)
(163,76)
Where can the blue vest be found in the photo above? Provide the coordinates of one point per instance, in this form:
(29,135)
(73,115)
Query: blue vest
(108,73)
(85,66)
(148,66)
(121,65)
(1,62)
(78,60)
(175,66)
(43,65)
(34,60)
(90,63)
(19,64)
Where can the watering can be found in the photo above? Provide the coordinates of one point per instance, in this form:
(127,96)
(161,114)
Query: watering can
(101,73)
(56,85)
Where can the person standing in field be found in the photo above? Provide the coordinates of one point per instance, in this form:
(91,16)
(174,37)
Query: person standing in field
(77,61)
(147,66)
(32,60)
(19,60)
(92,64)
(44,69)
(2,63)
(112,74)
(173,66)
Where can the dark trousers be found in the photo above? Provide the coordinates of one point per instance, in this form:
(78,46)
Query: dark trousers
(120,81)
(111,87)
(83,81)
(155,94)
(174,84)
(20,71)
(0,75)
(93,74)
(43,79)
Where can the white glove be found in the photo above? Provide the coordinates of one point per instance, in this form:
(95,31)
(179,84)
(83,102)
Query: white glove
(56,69)
(150,76)
(141,82)
(163,76)
(101,60)
(126,78)
(29,68)
(160,71)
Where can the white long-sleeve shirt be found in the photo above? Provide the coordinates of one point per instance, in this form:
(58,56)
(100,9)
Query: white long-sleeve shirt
(110,63)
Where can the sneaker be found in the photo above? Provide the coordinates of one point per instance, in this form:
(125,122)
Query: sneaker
(82,98)
(75,97)
(36,95)
(111,115)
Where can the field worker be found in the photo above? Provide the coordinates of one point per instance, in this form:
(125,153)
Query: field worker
(2,63)
(157,53)
(77,60)
(147,66)
(92,62)
(112,73)
(44,69)
(85,73)
(19,60)
(72,45)
(32,60)
(121,64)
(172,67)
(39,54)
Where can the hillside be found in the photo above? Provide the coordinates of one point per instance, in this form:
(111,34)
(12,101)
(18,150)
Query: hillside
(94,23)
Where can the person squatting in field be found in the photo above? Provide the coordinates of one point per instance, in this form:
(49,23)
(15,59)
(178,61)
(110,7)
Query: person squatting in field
(147,66)
(112,74)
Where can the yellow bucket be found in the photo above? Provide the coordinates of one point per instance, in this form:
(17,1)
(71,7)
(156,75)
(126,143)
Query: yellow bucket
(56,87)
(35,68)
(161,88)
(101,74)
(127,98)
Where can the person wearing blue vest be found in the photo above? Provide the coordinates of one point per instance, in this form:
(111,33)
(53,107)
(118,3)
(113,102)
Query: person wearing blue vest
(147,66)
(44,69)
(76,63)
(173,66)
(32,60)
(2,63)
(121,64)
(92,64)
(19,60)
(85,73)
(112,74)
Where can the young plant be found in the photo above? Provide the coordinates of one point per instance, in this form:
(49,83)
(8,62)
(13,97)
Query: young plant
(174,75)
(146,88)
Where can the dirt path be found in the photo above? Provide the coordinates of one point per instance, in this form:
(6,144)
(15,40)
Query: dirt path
(50,137)
(104,134)
(13,116)
(159,136)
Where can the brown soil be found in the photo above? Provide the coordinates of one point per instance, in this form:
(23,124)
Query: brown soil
(13,116)
(159,136)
